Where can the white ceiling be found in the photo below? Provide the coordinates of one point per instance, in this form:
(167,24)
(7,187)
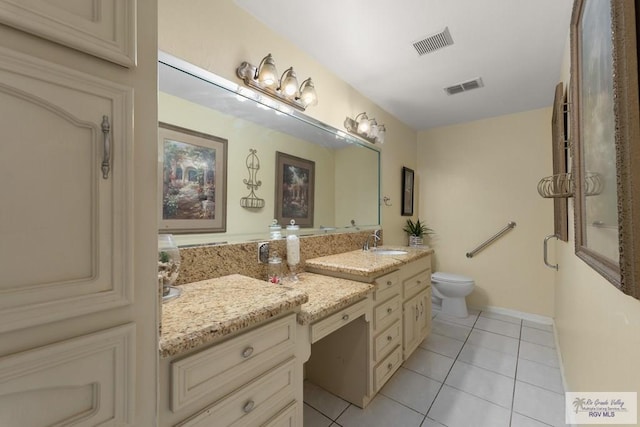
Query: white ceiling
(515,46)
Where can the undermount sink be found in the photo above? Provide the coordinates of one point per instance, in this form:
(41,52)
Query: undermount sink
(388,252)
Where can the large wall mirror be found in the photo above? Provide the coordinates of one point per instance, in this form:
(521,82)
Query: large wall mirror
(256,128)
(606,131)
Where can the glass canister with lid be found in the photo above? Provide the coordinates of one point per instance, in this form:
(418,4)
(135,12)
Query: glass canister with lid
(293,249)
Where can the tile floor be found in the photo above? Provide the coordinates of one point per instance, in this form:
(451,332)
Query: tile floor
(486,370)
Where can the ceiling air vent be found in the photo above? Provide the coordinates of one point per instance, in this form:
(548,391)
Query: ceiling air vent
(463,87)
(433,42)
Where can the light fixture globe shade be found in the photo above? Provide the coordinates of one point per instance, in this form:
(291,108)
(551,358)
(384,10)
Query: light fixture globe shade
(289,84)
(308,93)
(363,123)
(267,74)
(373,129)
(381,132)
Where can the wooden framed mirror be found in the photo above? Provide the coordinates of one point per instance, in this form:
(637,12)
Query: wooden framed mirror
(605,128)
(559,152)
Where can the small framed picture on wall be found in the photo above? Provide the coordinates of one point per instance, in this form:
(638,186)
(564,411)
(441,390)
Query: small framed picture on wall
(407,191)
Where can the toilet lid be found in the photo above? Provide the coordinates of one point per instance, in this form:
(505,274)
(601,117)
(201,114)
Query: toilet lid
(439,276)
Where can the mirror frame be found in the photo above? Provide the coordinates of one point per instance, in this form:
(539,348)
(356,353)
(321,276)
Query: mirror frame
(559,158)
(626,275)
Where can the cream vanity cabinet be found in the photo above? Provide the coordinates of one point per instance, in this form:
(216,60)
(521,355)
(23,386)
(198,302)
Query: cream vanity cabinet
(416,306)
(254,378)
(105,28)
(400,318)
(71,334)
(387,328)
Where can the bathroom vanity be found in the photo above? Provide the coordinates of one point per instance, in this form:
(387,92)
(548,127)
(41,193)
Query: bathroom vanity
(229,351)
(238,348)
(400,319)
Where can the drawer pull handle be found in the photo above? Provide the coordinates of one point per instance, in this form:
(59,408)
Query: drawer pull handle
(389,283)
(247,352)
(389,338)
(345,317)
(248,407)
(419,282)
(390,365)
(389,310)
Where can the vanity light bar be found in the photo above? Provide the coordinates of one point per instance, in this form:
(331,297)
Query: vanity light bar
(264,79)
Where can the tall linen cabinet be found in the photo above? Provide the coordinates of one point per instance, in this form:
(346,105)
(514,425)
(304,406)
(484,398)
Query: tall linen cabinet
(78,159)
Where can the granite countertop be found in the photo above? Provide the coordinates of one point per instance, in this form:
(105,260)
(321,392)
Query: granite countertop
(327,295)
(211,309)
(366,264)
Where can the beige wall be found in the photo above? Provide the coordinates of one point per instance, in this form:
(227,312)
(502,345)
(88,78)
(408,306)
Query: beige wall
(598,326)
(475,178)
(218,36)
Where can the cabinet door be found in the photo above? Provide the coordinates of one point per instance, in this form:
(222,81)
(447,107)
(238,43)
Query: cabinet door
(103,28)
(416,321)
(65,215)
(424,323)
(411,332)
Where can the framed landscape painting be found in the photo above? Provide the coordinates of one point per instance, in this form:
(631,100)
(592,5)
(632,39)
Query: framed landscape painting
(192,180)
(295,182)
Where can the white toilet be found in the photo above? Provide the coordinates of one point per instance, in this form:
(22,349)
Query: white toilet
(450,290)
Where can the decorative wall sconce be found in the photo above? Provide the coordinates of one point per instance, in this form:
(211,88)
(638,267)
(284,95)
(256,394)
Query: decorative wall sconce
(253,166)
(264,78)
(366,128)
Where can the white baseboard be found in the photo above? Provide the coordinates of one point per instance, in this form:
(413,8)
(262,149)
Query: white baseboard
(546,320)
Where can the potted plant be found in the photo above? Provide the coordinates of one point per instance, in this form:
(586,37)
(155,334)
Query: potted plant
(416,231)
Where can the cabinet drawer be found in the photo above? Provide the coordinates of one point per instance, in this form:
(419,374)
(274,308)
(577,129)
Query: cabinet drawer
(415,267)
(387,286)
(218,370)
(288,417)
(386,368)
(415,284)
(337,320)
(386,341)
(252,404)
(385,313)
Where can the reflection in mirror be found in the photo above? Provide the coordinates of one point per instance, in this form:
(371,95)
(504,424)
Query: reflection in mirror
(347,170)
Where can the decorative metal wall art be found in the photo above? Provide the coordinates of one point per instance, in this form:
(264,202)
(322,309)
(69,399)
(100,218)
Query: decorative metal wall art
(253,165)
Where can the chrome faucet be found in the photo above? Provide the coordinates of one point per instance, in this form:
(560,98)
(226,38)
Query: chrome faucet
(376,238)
